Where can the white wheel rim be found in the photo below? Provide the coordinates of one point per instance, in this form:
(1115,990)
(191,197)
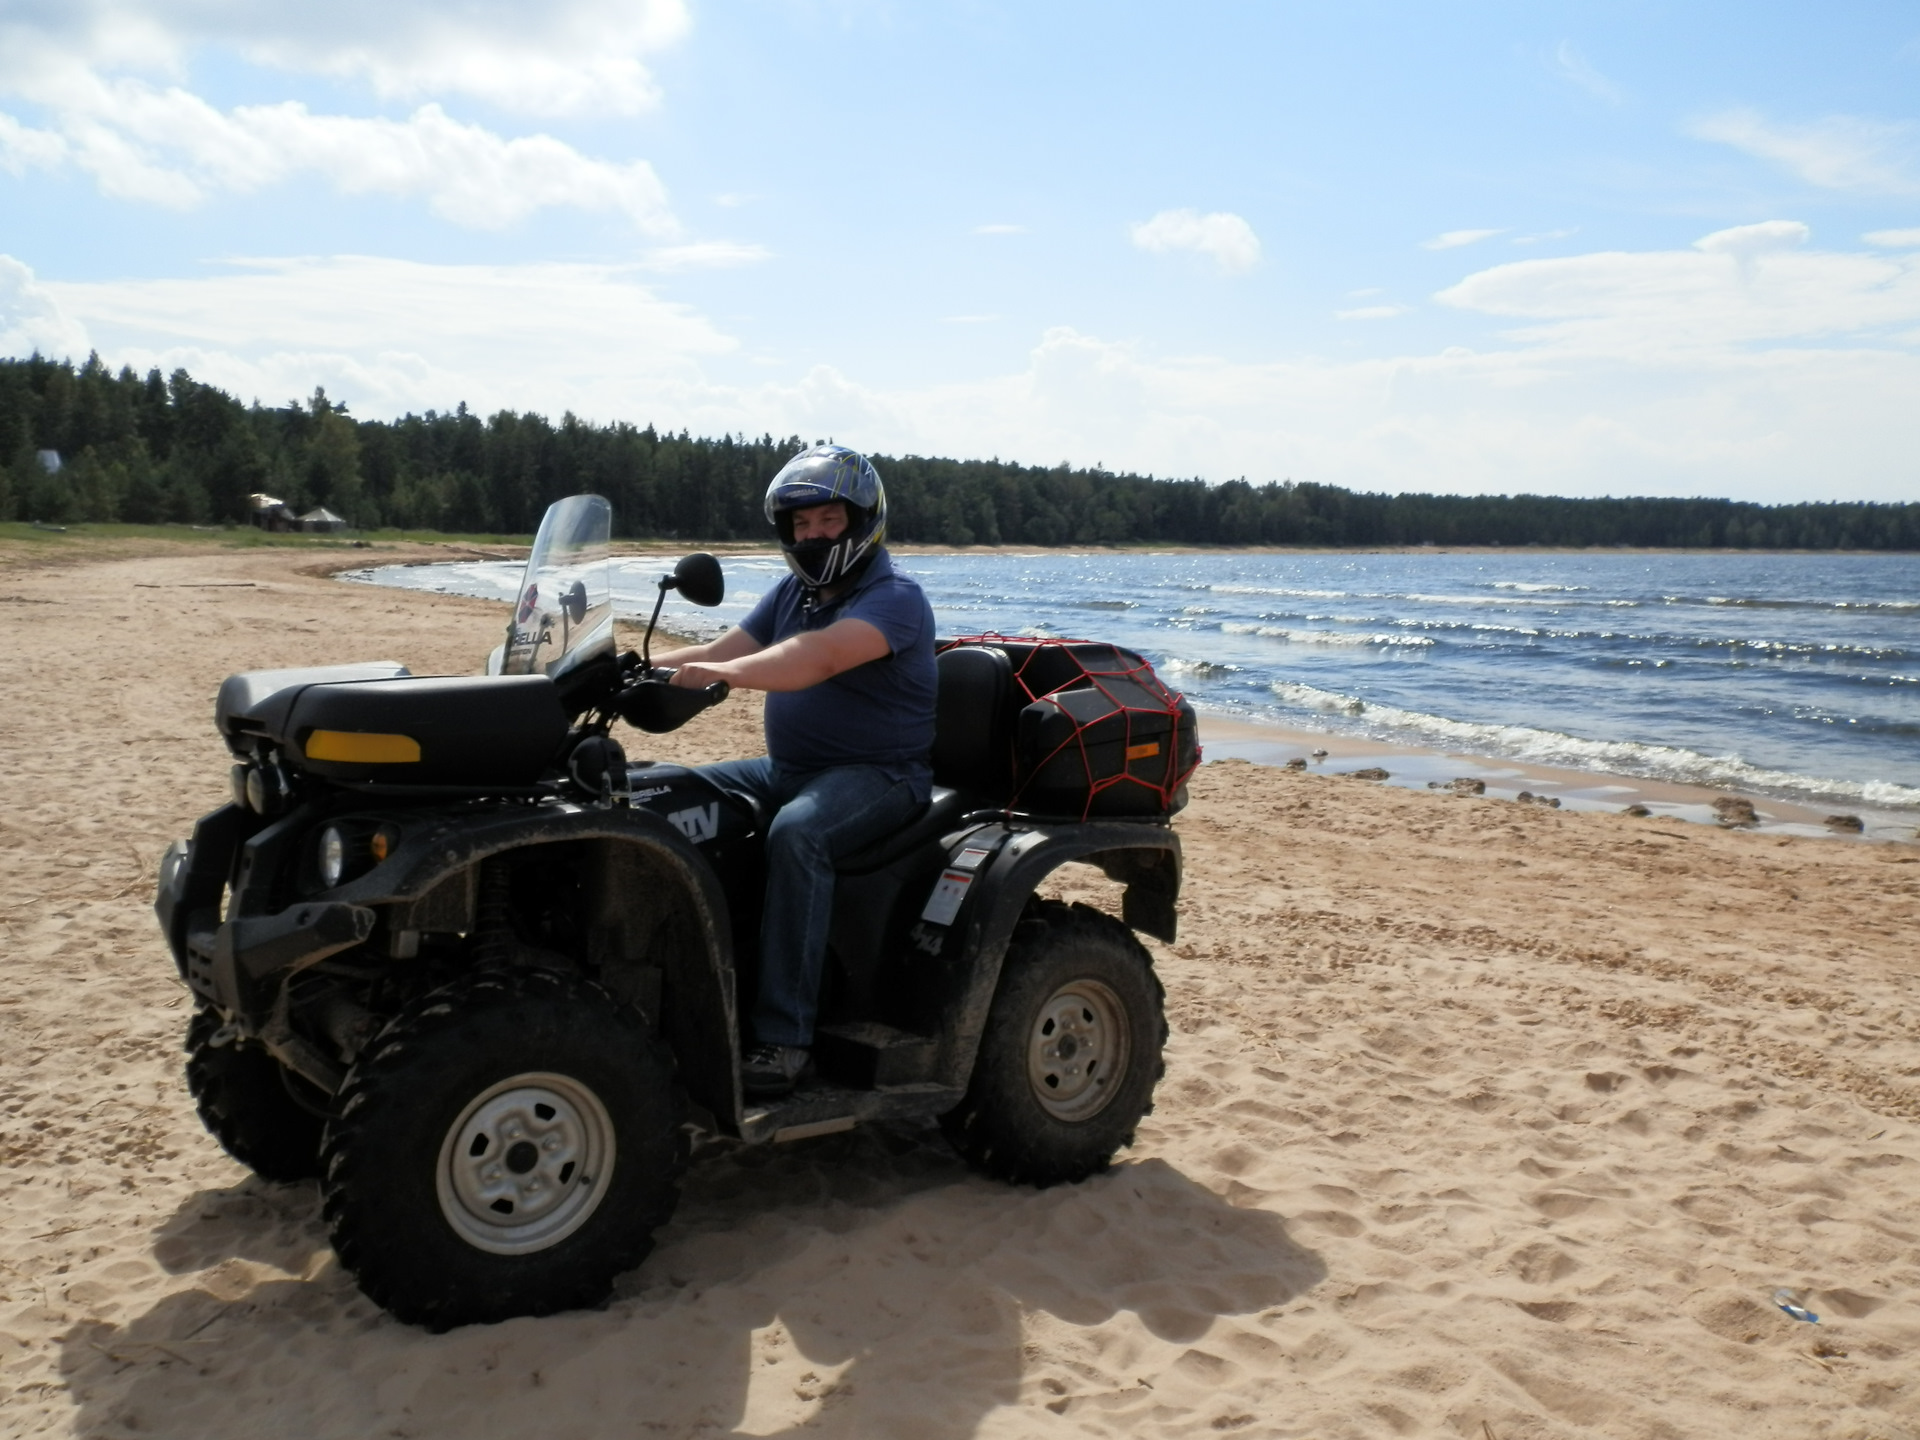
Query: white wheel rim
(1078,1050)
(525,1164)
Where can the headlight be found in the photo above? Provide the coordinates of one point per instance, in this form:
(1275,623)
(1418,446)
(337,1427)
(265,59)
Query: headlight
(333,856)
(261,787)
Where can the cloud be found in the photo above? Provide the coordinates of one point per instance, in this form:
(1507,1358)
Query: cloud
(1371,312)
(1731,293)
(1227,238)
(1572,68)
(1745,241)
(1893,239)
(1757,427)
(171,148)
(999,229)
(542,57)
(703,255)
(108,78)
(1746,364)
(31,320)
(1454,239)
(1841,152)
(389,335)
(22,148)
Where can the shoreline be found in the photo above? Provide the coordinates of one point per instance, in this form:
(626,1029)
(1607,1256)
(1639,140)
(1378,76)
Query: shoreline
(1415,767)
(222,539)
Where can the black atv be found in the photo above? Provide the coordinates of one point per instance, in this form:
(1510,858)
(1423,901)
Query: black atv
(457,958)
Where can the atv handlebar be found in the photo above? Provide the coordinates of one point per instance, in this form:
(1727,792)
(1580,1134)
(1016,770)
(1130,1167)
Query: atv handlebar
(655,704)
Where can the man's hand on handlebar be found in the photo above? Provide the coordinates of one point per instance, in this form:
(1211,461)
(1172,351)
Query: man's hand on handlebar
(696,676)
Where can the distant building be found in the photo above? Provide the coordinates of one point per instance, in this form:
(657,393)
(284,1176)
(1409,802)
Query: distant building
(271,513)
(49,460)
(321,520)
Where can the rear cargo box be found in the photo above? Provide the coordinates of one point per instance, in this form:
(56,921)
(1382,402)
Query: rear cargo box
(1095,732)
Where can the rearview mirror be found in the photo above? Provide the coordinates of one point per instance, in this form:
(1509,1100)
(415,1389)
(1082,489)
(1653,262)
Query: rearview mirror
(698,578)
(573,600)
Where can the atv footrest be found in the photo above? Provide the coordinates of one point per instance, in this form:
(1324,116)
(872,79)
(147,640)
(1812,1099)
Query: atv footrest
(814,1109)
(867,1055)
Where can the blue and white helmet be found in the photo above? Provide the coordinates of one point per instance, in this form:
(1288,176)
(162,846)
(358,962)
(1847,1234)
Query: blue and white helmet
(818,476)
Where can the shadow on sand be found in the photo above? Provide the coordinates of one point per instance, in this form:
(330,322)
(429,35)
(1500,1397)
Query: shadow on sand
(864,1284)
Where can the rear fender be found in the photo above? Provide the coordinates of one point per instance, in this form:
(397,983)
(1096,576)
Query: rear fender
(1145,858)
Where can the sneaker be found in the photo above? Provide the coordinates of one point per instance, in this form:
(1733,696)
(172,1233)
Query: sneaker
(770,1071)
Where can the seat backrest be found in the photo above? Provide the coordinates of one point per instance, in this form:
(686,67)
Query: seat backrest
(973,725)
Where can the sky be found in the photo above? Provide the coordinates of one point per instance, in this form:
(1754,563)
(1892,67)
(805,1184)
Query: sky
(1578,249)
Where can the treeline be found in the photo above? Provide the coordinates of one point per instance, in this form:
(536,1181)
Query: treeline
(153,448)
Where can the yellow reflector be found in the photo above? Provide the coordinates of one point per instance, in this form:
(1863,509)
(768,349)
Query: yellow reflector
(356,747)
(1140,752)
(379,845)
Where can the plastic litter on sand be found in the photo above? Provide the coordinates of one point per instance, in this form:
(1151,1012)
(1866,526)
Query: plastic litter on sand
(1785,1300)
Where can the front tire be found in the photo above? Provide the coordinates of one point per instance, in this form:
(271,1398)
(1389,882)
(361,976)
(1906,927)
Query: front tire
(506,1146)
(241,1094)
(1070,1055)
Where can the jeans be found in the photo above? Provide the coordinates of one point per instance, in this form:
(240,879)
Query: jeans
(822,816)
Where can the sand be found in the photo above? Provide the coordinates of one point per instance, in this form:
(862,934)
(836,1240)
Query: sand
(1479,1120)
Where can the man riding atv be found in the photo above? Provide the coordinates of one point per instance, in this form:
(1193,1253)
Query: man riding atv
(844,648)
(456,957)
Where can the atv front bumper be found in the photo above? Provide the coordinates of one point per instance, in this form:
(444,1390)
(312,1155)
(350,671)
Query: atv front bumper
(229,963)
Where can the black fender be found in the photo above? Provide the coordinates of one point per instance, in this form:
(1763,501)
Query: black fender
(656,892)
(666,943)
(1145,858)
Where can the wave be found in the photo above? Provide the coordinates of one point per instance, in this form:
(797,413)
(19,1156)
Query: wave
(1654,639)
(1283,590)
(1531,588)
(1770,602)
(1322,637)
(1199,669)
(1622,757)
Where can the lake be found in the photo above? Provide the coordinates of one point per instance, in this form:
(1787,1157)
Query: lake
(1796,676)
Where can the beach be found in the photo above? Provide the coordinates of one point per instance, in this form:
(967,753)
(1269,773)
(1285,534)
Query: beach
(1480,1119)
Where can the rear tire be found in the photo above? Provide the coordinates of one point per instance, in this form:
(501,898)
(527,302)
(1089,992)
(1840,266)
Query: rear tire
(1071,1051)
(506,1146)
(241,1094)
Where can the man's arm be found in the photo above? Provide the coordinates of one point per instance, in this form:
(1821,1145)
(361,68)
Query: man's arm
(730,646)
(794,664)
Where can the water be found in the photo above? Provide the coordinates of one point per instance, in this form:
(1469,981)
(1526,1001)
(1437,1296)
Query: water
(1796,676)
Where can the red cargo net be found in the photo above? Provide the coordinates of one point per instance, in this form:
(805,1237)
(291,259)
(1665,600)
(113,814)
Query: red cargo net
(1155,754)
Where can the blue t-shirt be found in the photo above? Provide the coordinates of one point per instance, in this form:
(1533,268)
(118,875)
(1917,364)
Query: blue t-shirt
(879,713)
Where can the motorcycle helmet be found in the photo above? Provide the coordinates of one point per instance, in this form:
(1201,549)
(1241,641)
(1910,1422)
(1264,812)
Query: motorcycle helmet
(817,476)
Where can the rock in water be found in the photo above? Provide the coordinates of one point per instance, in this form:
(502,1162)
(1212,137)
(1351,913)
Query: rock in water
(1851,824)
(1372,772)
(1637,810)
(1733,810)
(1296,763)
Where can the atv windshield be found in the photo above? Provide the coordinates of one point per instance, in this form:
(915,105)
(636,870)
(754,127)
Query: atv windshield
(563,617)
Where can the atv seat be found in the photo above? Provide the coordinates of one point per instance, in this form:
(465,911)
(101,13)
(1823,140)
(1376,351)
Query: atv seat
(939,815)
(972,754)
